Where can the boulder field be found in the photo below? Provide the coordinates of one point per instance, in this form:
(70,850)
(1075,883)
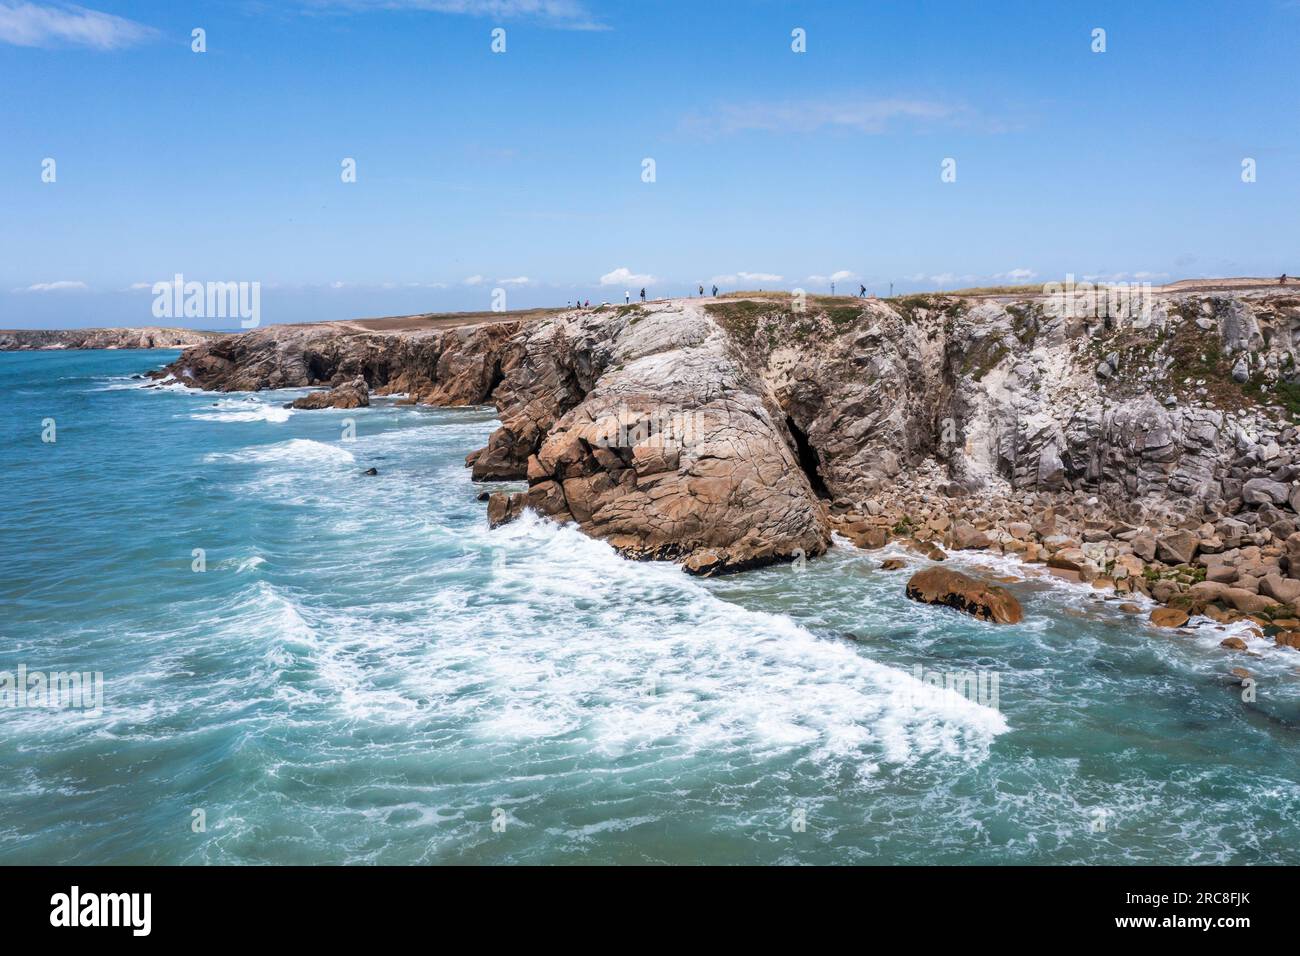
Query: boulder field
(1152,453)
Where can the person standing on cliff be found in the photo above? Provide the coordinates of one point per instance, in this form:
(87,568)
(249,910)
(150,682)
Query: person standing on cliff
(643,295)
(627,297)
(862,291)
(715,290)
(701,290)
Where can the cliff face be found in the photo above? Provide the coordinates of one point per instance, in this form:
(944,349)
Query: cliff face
(740,432)
(1188,401)
(460,366)
(16,340)
(639,425)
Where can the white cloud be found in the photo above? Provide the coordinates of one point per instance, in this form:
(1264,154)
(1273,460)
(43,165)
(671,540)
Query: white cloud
(562,14)
(516,280)
(863,114)
(842,276)
(65,285)
(45,24)
(741,277)
(951,278)
(1016,275)
(625,276)
(473,280)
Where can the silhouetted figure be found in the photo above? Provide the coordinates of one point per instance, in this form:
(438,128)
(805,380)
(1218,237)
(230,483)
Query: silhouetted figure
(862,291)
(715,291)
(701,290)
(643,295)
(1282,281)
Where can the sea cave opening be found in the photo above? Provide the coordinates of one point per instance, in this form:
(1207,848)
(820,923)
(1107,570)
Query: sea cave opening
(808,459)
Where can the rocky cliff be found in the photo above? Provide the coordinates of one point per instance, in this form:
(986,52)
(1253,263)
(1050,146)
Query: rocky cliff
(1136,446)
(16,340)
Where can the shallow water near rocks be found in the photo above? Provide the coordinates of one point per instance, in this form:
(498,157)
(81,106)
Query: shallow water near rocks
(364,673)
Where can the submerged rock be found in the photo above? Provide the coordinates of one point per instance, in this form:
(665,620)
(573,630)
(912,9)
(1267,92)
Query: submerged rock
(988,602)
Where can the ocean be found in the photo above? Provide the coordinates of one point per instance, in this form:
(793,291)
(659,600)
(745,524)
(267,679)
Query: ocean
(304,664)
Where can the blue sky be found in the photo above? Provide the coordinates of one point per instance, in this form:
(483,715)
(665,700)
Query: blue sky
(523,170)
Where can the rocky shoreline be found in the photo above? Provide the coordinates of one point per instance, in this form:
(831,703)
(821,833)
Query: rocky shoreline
(22,340)
(1146,451)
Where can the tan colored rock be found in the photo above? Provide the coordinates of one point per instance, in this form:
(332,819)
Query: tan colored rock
(988,602)
(1144,546)
(870,538)
(1168,617)
(1068,559)
(1284,590)
(1292,550)
(1177,547)
(1248,601)
(966,537)
(892,564)
(1233,643)
(504,507)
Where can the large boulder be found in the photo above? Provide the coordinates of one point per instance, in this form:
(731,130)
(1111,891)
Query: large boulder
(1284,590)
(1264,491)
(966,537)
(504,507)
(353,394)
(1292,545)
(988,602)
(1168,617)
(1177,547)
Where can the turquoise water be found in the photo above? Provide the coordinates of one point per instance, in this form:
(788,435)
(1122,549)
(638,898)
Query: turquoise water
(364,673)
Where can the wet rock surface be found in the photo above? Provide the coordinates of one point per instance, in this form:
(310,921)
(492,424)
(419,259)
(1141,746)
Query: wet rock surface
(352,394)
(988,602)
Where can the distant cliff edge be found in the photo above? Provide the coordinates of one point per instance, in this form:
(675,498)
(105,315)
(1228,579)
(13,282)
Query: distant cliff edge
(20,340)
